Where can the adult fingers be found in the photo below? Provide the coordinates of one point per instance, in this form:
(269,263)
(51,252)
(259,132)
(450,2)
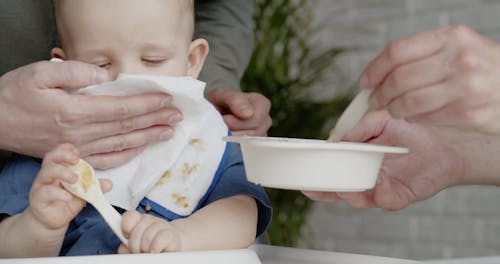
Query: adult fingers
(68,74)
(391,195)
(407,77)
(370,126)
(400,52)
(357,200)
(166,116)
(260,103)
(253,133)
(468,102)
(474,118)
(423,100)
(113,159)
(134,139)
(261,123)
(102,108)
(322,196)
(237,103)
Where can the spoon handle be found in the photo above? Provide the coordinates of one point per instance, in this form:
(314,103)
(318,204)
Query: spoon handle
(351,116)
(111,216)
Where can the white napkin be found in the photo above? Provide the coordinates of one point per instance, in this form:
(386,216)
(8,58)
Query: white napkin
(132,181)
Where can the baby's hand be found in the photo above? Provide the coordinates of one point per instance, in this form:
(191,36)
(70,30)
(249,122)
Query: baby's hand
(149,234)
(50,204)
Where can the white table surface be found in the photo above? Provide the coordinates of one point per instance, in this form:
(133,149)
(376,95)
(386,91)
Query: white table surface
(483,260)
(257,254)
(282,255)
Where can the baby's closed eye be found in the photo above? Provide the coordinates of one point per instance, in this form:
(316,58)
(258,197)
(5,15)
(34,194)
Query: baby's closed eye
(104,63)
(153,60)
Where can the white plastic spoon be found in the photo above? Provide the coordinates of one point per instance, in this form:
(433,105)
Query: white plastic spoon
(351,115)
(88,188)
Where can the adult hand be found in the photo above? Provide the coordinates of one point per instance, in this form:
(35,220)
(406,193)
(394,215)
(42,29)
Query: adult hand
(244,113)
(36,114)
(444,77)
(433,163)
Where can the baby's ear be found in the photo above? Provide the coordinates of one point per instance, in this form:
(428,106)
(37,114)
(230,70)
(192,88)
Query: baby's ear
(198,50)
(58,53)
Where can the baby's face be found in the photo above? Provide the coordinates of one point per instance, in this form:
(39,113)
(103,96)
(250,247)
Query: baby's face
(128,36)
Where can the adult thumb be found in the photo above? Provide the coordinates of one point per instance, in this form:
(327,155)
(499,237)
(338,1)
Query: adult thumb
(370,126)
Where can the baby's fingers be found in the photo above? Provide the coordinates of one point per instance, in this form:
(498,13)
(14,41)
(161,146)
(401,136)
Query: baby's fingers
(54,173)
(122,249)
(47,194)
(138,231)
(150,234)
(129,220)
(62,154)
(166,240)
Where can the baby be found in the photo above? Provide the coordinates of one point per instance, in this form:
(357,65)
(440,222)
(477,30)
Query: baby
(40,218)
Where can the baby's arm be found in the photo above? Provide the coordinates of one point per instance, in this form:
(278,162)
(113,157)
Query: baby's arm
(39,230)
(224,224)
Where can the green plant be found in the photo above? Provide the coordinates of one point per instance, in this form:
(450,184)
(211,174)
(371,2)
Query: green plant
(284,67)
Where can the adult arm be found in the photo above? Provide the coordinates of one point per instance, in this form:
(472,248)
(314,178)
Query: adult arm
(224,224)
(228,27)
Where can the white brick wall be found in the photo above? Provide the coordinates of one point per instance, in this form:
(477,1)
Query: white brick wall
(368,25)
(459,222)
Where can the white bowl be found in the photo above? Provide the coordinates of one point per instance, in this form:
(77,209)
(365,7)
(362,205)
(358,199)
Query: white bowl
(314,165)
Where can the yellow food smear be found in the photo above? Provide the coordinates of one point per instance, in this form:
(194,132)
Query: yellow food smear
(71,188)
(187,170)
(180,200)
(86,178)
(198,144)
(164,178)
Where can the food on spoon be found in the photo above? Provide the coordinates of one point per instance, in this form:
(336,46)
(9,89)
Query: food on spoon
(85,174)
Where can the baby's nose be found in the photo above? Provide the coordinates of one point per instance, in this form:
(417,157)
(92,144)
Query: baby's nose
(131,68)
